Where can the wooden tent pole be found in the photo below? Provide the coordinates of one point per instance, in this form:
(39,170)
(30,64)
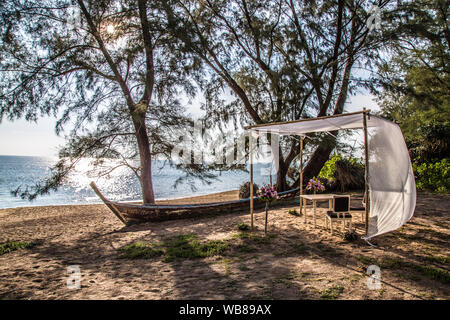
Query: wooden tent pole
(301,174)
(366,156)
(251,177)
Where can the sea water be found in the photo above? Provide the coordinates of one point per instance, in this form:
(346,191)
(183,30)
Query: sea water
(120,185)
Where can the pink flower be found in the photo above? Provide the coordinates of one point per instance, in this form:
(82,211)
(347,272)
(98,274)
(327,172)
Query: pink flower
(267,193)
(315,184)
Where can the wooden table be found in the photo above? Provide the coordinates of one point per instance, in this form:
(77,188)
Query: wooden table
(314,198)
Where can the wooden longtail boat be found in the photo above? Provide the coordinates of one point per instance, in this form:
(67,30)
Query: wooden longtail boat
(130,213)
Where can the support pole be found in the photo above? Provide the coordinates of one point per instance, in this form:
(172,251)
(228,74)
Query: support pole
(366,155)
(301,174)
(251,177)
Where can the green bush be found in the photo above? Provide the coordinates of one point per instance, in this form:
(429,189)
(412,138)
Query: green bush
(342,174)
(329,167)
(434,176)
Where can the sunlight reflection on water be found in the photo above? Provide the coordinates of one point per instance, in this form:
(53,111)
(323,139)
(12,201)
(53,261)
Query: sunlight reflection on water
(121,184)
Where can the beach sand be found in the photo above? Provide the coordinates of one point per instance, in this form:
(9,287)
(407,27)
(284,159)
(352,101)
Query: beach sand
(296,260)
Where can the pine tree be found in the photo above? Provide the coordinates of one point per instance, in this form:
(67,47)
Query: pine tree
(413,83)
(108,69)
(283,60)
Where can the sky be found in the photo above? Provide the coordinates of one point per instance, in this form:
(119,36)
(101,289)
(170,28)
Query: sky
(24,138)
(39,139)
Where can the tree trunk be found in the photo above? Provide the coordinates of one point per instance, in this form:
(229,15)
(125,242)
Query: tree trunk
(148,195)
(317,160)
(315,163)
(145,156)
(281,176)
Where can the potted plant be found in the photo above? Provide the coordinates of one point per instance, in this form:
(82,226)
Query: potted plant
(267,194)
(315,185)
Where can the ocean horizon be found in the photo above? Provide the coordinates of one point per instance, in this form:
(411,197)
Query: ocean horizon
(121,185)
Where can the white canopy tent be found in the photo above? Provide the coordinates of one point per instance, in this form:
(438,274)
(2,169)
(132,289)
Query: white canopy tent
(390,184)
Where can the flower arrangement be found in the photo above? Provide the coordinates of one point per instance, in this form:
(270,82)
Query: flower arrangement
(267,193)
(315,185)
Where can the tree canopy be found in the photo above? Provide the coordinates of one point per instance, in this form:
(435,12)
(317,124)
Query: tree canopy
(107,69)
(113,72)
(413,87)
(413,84)
(283,60)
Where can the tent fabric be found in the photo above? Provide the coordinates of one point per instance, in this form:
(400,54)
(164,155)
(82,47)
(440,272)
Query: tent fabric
(351,121)
(391,179)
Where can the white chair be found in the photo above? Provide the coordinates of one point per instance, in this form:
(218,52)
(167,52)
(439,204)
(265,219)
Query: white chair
(340,212)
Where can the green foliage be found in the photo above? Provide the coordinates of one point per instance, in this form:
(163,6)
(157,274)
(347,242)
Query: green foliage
(140,250)
(245,248)
(110,103)
(243,226)
(293,212)
(183,246)
(281,60)
(430,272)
(434,176)
(445,260)
(433,273)
(343,173)
(329,167)
(366,260)
(332,293)
(415,79)
(391,263)
(252,237)
(415,83)
(285,279)
(188,247)
(431,142)
(10,246)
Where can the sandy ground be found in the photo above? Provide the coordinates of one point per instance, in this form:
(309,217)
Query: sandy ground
(297,261)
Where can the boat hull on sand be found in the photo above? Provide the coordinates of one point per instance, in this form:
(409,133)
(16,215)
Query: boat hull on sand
(130,213)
